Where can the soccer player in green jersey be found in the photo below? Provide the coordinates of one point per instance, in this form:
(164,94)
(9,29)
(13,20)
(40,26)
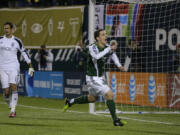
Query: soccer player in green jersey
(95,79)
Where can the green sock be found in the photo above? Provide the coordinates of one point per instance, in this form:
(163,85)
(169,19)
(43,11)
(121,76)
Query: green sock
(81,100)
(112,108)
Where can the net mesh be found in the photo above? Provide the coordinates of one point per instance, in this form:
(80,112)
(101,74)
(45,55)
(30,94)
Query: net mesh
(148,36)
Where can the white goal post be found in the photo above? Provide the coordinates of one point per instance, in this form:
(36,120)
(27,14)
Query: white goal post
(91,38)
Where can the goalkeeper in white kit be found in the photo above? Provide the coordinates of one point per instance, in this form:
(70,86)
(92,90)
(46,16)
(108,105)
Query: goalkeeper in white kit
(9,65)
(94,78)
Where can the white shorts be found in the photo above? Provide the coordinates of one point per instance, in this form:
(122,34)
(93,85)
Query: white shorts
(96,85)
(8,77)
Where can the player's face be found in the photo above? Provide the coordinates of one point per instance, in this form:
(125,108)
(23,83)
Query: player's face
(102,39)
(8,30)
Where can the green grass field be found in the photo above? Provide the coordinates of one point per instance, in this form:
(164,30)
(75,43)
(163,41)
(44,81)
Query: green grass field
(36,116)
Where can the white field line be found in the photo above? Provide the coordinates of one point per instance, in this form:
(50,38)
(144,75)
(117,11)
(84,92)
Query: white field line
(147,121)
(51,109)
(43,108)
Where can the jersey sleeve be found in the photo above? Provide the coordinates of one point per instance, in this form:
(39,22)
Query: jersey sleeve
(97,55)
(23,51)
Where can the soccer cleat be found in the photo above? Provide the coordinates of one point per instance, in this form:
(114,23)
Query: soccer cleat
(66,105)
(12,114)
(119,122)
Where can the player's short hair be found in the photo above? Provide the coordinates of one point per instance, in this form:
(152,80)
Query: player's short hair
(10,24)
(96,33)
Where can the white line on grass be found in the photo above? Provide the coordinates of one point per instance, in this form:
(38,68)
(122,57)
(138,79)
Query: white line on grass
(147,121)
(42,108)
(51,109)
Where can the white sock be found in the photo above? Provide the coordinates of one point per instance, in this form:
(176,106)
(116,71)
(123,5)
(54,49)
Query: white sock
(14,100)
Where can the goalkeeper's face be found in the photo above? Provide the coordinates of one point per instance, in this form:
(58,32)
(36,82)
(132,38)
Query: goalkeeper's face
(102,39)
(8,30)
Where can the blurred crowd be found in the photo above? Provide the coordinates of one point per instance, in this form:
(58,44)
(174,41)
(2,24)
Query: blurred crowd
(40,3)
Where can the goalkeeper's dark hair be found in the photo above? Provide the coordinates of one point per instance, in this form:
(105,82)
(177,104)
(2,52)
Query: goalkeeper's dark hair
(96,33)
(10,24)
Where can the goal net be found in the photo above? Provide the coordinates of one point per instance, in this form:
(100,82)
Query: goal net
(147,33)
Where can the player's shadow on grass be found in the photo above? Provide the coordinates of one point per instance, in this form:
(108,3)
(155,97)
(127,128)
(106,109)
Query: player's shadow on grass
(139,131)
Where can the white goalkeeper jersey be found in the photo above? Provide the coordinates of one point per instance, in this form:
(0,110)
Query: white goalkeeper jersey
(8,53)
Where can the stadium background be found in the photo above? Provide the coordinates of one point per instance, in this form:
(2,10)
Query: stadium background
(39,110)
(62,32)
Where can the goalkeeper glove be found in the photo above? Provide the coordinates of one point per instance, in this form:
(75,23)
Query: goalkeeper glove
(31,70)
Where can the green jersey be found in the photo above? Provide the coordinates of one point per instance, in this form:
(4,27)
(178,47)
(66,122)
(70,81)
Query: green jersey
(96,59)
